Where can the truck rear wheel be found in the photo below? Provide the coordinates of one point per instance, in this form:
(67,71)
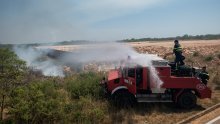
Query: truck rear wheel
(187,100)
(123,99)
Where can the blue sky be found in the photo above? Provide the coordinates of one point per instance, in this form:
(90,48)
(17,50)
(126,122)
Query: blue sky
(29,21)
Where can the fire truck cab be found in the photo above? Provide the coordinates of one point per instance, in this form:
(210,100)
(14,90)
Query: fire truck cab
(129,85)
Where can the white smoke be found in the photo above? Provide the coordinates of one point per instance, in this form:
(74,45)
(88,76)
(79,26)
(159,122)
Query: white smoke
(102,52)
(38,60)
(115,53)
(79,55)
(146,60)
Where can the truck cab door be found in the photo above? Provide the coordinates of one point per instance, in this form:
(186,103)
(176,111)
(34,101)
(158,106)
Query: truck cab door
(139,78)
(130,80)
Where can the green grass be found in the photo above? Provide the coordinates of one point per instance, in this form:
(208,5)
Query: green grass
(84,84)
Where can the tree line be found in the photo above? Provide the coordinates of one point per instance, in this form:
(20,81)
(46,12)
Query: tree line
(184,37)
(79,42)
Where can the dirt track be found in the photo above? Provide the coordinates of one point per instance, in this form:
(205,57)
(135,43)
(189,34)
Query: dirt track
(208,117)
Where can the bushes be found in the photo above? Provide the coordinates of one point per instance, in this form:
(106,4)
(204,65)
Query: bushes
(85,84)
(86,110)
(38,102)
(47,100)
(85,91)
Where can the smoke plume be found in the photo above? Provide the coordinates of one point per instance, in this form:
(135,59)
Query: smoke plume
(76,56)
(38,60)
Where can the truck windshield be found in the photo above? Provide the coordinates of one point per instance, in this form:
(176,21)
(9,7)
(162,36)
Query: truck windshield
(131,72)
(128,72)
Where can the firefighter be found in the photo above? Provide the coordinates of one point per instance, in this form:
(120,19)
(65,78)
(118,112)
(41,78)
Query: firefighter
(177,50)
(129,58)
(128,62)
(204,76)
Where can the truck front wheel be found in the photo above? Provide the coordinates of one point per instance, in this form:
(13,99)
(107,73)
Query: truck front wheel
(187,100)
(123,99)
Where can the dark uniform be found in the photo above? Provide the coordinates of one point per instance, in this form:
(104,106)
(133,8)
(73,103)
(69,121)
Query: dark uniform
(204,76)
(177,50)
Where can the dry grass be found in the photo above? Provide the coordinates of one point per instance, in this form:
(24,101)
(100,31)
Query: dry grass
(151,113)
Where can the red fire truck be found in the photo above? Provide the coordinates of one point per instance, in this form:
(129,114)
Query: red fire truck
(128,85)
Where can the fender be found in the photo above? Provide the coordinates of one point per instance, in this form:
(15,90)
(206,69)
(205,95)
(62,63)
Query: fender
(118,88)
(203,91)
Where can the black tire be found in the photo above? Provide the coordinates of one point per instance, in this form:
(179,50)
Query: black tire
(187,100)
(123,99)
